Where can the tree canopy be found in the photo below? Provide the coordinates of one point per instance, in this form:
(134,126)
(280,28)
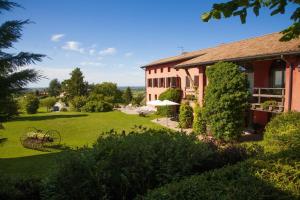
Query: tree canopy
(13,77)
(226,99)
(241,7)
(54,88)
(75,86)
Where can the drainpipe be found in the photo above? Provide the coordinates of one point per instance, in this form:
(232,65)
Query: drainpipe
(290,83)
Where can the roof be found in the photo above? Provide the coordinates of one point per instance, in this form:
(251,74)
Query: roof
(184,56)
(258,47)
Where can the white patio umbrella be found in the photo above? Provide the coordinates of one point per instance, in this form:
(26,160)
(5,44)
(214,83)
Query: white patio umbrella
(168,103)
(155,103)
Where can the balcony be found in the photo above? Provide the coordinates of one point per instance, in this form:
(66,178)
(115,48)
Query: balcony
(190,93)
(268,99)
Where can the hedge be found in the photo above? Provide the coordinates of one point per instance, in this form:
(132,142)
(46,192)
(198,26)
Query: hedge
(274,175)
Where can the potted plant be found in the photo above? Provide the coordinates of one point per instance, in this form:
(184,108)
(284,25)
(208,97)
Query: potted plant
(269,105)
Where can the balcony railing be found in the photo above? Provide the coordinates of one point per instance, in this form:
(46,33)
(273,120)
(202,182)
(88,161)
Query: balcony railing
(268,99)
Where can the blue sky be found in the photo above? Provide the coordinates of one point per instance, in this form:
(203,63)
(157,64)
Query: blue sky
(110,39)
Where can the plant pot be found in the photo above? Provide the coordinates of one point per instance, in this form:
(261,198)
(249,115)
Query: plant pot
(270,108)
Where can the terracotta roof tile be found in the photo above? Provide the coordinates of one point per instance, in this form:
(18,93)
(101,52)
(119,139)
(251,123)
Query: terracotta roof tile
(264,46)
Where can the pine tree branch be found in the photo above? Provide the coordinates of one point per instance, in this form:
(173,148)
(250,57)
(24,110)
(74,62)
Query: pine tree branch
(10,32)
(10,63)
(19,79)
(7,5)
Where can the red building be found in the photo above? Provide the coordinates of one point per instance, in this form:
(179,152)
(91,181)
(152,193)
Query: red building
(273,70)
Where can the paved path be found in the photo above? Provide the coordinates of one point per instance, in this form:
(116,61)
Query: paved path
(166,122)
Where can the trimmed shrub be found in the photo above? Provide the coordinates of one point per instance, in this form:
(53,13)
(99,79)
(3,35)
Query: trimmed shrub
(185,116)
(121,166)
(226,99)
(31,103)
(273,175)
(48,102)
(97,106)
(240,181)
(283,132)
(199,124)
(172,95)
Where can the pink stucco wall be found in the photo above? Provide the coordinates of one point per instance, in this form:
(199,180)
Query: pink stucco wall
(295,101)
(181,73)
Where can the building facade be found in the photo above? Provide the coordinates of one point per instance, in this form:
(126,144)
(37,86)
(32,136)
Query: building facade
(272,67)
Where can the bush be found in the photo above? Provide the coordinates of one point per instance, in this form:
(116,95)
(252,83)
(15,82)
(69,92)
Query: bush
(172,95)
(48,102)
(78,102)
(199,125)
(8,109)
(273,175)
(96,106)
(266,104)
(185,116)
(283,132)
(226,99)
(20,188)
(121,166)
(31,103)
(240,181)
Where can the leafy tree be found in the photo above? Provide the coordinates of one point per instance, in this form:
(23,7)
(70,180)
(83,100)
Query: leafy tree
(31,103)
(185,116)
(138,99)
(199,124)
(54,88)
(48,102)
(110,91)
(75,86)
(12,77)
(127,95)
(226,99)
(240,8)
(78,102)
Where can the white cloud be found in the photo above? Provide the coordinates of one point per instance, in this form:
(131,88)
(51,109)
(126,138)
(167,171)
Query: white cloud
(108,51)
(128,54)
(57,37)
(91,64)
(92,51)
(73,46)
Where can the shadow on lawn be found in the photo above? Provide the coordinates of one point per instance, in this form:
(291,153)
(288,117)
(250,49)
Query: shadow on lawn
(47,117)
(37,165)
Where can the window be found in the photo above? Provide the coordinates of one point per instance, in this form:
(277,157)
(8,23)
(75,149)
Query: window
(155,82)
(149,71)
(169,69)
(149,82)
(162,82)
(173,82)
(187,82)
(168,82)
(161,70)
(149,97)
(154,71)
(196,81)
(277,74)
(155,97)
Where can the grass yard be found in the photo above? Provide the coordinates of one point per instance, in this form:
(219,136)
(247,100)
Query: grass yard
(76,129)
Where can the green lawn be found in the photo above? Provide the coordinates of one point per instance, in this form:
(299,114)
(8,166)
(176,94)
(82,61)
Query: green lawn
(77,129)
